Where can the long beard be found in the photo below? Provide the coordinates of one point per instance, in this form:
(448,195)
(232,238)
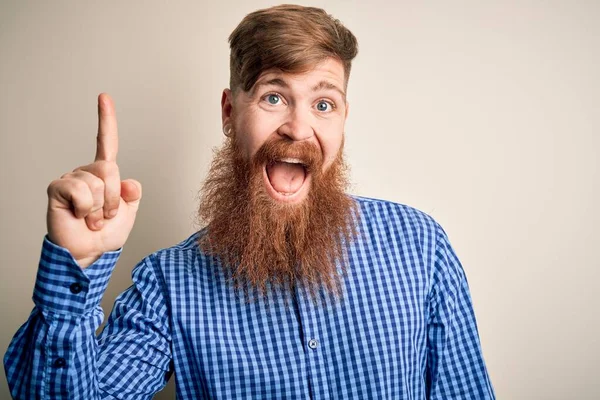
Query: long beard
(265,246)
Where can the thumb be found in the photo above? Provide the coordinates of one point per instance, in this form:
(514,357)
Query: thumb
(131,191)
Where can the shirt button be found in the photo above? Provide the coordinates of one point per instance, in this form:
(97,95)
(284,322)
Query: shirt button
(76,288)
(60,363)
(312,343)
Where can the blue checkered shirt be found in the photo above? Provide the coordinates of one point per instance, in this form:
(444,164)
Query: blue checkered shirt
(404,330)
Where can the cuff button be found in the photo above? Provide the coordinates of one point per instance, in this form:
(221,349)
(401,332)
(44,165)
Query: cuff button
(76,288)
(60,363)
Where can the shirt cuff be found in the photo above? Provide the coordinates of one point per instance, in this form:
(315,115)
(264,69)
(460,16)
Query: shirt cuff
(62,286)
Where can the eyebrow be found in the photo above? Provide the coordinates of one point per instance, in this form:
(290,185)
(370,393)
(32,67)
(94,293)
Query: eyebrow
(281,83)
(328,85)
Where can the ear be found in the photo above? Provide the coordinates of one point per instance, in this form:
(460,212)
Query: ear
(226,106)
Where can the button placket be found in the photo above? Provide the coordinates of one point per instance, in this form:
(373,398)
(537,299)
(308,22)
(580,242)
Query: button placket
(313,340)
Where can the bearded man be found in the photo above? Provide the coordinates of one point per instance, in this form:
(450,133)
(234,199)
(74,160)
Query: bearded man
(294,289)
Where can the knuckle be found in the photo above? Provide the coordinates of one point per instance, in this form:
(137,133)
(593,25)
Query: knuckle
(52,187)
(82,202)
(83,169)
(97,185)
(107,169)
(102,169)
(111,202)
(79,186)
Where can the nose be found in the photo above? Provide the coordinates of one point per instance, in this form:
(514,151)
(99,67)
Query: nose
(297,126)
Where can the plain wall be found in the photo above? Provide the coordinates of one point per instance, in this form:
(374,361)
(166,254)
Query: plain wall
(483,114)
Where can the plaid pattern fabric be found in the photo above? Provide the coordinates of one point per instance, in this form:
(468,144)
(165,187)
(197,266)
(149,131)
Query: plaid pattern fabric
(405,328)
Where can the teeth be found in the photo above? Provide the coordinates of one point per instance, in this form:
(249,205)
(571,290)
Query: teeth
(291,160)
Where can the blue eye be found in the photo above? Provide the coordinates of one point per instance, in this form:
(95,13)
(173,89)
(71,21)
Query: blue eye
(273,99)
(324,106)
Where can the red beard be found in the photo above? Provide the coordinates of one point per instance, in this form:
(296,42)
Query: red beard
(262,243)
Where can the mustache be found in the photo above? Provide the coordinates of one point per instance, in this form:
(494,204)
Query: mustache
(279,149)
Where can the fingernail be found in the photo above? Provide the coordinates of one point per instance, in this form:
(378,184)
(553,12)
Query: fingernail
(112,213)
(99,224)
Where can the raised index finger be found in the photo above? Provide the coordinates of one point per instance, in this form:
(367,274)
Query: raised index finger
(107,143)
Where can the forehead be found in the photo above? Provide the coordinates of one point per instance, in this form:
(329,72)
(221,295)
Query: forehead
(328,74)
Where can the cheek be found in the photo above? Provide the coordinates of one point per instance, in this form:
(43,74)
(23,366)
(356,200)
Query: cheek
(253,130)
(331,142)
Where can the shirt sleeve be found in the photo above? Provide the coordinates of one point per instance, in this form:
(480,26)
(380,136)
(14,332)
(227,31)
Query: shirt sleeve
(56,354)
(456,368)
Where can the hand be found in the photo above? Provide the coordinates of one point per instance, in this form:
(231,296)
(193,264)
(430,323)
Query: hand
(90,210)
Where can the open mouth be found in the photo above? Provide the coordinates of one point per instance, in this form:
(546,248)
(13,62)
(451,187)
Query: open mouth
(287,180)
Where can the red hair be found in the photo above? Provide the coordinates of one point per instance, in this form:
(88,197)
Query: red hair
(290,38)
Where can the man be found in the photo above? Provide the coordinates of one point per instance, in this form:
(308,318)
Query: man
(293,290)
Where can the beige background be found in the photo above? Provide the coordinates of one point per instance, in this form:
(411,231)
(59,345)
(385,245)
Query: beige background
(483,114)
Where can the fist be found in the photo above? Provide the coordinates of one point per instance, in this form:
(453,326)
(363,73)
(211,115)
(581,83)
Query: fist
(90,210)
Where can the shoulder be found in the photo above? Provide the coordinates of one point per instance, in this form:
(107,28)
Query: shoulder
(415,233)
(188,245)
(175,259)
(390,226)
(383,213)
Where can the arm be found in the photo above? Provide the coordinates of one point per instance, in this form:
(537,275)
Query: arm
(55,354)
(456,369)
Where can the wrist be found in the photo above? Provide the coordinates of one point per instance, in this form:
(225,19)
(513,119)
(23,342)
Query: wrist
(87,261)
